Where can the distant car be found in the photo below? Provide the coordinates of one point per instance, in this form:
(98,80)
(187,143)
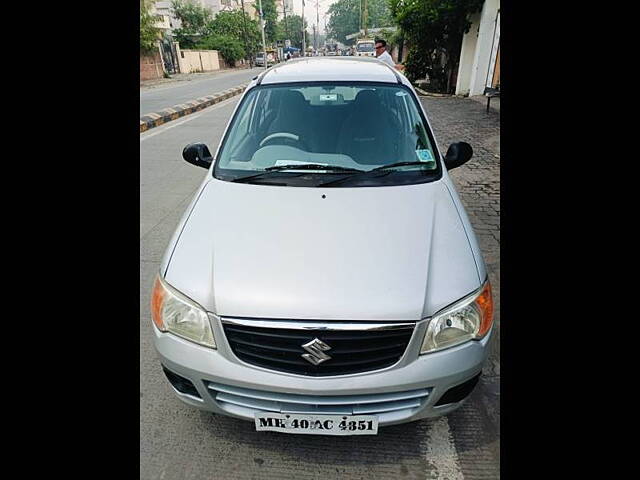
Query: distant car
(325,278)
(259,60)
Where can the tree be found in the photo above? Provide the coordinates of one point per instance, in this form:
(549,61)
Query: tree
(294,26)
(231,24)
(270,18)
(195,22)
(434,30)
(229,47)
(149,33)
(345,18)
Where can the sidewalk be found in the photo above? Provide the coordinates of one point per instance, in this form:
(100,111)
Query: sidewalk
(186,77)
(494,105)
(155,119)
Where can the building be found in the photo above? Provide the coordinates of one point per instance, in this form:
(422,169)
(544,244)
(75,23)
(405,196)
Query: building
(480,54)
(281,5)
(214,5)
(164,12)
(167,19)
(249,8)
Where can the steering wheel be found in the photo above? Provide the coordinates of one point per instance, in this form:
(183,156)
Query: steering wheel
(284,138)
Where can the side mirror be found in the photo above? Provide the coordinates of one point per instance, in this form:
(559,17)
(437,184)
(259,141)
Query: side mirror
(197,154)
(458,154)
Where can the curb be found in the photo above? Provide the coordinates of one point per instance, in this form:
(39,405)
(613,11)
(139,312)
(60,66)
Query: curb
(428,94)
(155,119)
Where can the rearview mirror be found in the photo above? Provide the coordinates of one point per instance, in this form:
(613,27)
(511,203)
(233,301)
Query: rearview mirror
(458,154)
(197,154)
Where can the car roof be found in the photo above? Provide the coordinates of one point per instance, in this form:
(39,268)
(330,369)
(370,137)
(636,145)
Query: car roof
(318,69)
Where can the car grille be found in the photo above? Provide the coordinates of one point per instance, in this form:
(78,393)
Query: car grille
(392,406)
(352,350)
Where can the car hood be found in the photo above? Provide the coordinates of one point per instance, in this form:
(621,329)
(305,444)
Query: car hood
(369,253)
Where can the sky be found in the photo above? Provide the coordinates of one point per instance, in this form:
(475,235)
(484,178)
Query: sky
(310,11)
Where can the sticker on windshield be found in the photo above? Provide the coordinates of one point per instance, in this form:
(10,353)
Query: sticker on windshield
(425,156)
(292,162)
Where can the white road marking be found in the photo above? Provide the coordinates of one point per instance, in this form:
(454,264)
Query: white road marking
(441,452)
(193,116)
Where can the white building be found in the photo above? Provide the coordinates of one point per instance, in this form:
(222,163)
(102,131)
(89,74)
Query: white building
(480,54)
(214,5)
(282,5)
(166,20)
(230,5)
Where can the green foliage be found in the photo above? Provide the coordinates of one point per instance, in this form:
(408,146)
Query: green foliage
(294,27)
(270,18)
(229,47)
(149,34)
(195,22)
(434,31)
(225,32)
(231,24)
(345,18)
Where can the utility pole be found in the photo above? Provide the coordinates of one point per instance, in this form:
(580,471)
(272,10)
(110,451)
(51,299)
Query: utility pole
(286,27)
(317,22)
(304,46)
(365,18)
(244,27)
(264,43)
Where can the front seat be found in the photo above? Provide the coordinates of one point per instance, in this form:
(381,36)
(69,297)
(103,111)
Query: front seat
(367,134)
(293,115)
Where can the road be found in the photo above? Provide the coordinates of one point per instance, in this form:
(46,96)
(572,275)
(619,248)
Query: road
(156,99)
(177,442)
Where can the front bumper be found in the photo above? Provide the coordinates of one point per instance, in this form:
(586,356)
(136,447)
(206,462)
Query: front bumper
(219,374)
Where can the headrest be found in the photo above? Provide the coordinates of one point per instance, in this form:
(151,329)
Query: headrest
(367,99)
(293,97)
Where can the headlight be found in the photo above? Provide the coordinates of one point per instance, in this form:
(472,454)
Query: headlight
(173,312)
(469,319)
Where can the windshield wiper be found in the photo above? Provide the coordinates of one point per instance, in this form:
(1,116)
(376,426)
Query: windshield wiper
(378,170)
(399,164)
(306,166)
(312,166)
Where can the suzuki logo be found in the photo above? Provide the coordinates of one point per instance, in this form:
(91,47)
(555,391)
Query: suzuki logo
(316,349)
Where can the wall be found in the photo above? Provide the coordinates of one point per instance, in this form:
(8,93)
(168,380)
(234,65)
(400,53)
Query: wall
(151,66)
(483,47)
(198,60)
(476,52)
(467,55)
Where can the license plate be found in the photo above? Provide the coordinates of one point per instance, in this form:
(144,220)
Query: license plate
(317,424)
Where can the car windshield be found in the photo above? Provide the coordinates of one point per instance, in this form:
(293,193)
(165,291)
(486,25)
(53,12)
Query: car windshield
(365,47)
(346,130)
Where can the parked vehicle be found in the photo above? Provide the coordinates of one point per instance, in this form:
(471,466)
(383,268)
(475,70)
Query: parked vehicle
(325,278)
(331,49)
(271,58)
(365,48)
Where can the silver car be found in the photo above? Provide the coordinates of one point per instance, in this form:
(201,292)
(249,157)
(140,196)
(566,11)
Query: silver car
(325,279)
